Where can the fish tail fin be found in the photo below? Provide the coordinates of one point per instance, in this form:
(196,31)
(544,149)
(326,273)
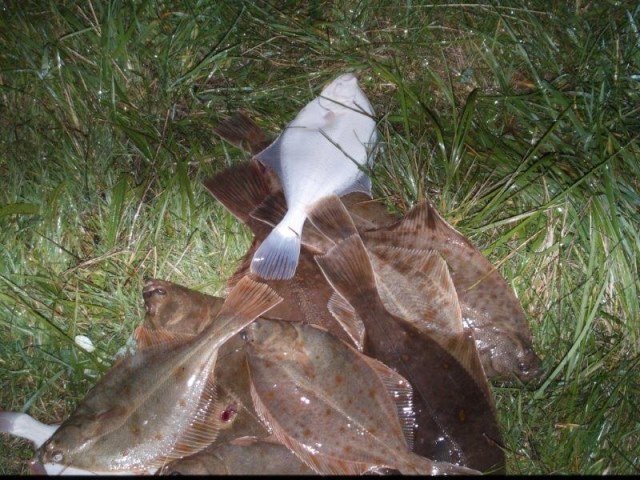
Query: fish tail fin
(348,269)
(332,219)
(240,188)
(277,257)
(246,301)
(24,426)
(240,130)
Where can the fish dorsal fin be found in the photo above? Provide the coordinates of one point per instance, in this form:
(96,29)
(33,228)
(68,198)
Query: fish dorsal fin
(146,338)
(425,218)
(361,184)
(401,393)
(270,156)
(246,301)
(203,429)
(348,319)
(240,130)
(348,269)
(332,219)
(240,188)
(272,209)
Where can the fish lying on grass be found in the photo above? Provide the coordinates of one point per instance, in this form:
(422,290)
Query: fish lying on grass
(490,308)
(160,404)
(455,420)
(322,151)
(248,456)
(175,308)
(331,405)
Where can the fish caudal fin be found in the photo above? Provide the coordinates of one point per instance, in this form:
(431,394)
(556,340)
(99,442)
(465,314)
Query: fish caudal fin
(332,219)
(240,188)
(348,269)
(277,257)
(240,130)
(246,301)
(24,426)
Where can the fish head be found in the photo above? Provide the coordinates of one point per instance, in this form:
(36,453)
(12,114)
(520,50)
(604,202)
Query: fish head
(275,339)
(63,445)
(507,354)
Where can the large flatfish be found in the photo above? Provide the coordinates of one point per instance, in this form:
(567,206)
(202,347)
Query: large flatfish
(160,404)
(455,419)
(331,405)
(489,306)
(321,152)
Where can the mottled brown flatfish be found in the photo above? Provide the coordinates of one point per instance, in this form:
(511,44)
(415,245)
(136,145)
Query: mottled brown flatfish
(455,420)
(331,405)
(159,404)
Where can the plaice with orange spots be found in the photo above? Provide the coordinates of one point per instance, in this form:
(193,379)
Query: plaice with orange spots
(489,306)
(330,404)
(443,388)
(160,403)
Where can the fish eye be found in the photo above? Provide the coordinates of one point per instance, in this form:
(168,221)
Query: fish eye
(57,456)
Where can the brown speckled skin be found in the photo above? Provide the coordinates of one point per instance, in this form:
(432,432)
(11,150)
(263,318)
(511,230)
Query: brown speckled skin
(181,310)
(253,458)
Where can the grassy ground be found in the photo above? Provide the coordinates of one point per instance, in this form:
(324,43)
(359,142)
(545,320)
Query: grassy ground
(520,120)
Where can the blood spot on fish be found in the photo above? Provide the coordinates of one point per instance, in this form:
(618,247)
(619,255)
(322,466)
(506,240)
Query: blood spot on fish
(229,413)
(462,415)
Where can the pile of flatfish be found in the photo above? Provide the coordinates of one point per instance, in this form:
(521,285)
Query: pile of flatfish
(351,341)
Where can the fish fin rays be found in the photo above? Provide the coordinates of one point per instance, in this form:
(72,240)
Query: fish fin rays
(332,219)
(240,188)
(401,393)
(277,257)
(348,269)
(146,338)
(246,301)
(203,429)
(240,130)
(348,319)
(271,210)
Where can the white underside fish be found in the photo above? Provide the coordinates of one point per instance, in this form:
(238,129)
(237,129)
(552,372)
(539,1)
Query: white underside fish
(321,152)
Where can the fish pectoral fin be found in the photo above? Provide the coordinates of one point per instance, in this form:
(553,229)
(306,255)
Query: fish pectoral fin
(401,393)
(332,219)
(271,210)
(348,269)
(147,338)
(246,301)
(240,188)
(239,129)
(348,319)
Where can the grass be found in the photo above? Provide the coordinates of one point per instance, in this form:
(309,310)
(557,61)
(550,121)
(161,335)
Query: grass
(520,120)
